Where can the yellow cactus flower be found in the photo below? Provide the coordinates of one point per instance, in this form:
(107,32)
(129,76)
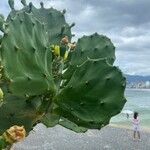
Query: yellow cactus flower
(57,50)
(66,55)
(14,134)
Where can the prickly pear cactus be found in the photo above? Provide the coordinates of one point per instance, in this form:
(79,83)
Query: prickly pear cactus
(46,78)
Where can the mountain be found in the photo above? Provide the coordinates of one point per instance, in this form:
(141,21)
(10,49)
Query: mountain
(136,78)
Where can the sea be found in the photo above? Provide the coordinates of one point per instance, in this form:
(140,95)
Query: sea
(137,100)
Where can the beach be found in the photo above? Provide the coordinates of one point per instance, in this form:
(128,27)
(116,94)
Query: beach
(59,138)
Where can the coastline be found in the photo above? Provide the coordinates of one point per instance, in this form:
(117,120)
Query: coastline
(138,89)
(144,129)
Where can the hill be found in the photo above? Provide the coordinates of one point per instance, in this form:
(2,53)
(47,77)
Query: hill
(137,78)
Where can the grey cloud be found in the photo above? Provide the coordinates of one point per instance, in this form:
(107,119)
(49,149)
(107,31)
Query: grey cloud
(126,22)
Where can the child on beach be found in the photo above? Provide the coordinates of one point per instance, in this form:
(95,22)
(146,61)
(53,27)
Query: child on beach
(136,125)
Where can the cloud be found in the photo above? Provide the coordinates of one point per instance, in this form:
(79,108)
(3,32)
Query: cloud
(126,22)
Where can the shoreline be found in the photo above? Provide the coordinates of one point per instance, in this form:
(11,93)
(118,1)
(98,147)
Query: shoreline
(144,129)
(134,89)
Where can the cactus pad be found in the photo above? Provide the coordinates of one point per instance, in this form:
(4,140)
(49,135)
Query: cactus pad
(23,51)
(93,95)
(16,111)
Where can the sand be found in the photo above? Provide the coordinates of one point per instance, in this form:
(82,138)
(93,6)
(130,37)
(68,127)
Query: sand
(59,138)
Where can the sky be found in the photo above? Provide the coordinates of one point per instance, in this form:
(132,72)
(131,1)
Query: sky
(125,22)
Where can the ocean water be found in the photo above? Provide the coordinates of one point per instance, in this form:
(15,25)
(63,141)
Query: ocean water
(137,100)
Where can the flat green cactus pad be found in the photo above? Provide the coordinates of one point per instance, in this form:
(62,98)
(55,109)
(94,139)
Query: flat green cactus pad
(93,95)
(16,111)
(26,56)
(95,46)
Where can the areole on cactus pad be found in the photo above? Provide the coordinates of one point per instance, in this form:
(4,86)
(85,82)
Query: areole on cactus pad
(46,78)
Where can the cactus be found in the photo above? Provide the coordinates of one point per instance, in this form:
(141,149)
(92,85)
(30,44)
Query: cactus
(48,79)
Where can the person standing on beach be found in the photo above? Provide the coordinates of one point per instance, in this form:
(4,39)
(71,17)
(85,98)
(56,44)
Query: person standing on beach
(136,126)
